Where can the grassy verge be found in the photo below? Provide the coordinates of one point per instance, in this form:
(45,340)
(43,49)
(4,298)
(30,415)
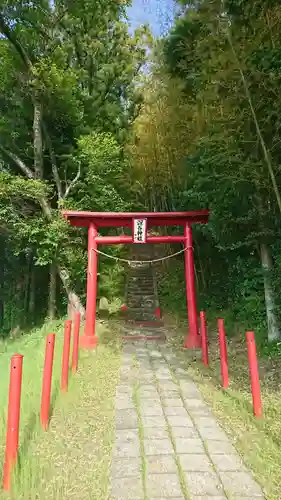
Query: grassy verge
(72,459)
(33,348)
(258,441)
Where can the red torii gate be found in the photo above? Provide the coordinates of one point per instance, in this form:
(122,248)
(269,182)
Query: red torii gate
(96,220)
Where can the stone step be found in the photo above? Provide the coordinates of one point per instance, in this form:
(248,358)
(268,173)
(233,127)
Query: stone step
(148,286)
(138,273)
(140,270)
(135,284)
(141,278)
(142,310)
(141,305)
(141,317)
(141,299)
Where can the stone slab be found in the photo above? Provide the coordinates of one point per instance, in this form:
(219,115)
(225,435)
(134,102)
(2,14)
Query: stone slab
(213,433)
(127,488)
(155,433)
(125,448)
(195,462)
(185,432)
(176,411)
(159,464)
(168,386)
(149,394)
(151,400)
(189,390)
(124,389)
(209,422)
(126,435)
(125,467)
(219,447)
(124,403)
(231,463)
(155,354)
(200,412)
(200,497)
(173,402)
(240,483)
(126,419)
(167,498)
(170,394)
(158,447)
(163,485)
(192,403)
(203,483)
(156,421)
(186,445)
(151,411)
(175,421)
(148,388)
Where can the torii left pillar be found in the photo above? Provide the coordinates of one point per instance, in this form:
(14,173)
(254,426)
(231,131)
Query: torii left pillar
(89,340)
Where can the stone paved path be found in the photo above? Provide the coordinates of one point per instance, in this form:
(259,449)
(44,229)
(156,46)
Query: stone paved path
(168,443)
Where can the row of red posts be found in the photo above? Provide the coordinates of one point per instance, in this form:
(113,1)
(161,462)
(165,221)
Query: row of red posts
(13,420)
(252,359)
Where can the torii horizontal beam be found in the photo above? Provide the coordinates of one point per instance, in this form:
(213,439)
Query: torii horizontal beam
(120,219)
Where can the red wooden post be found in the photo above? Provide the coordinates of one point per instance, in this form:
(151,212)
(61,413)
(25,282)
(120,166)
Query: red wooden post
(223,353)
(204,339)
(12,436)
(158,312)
(254,374)
(65,355)
(47,380)
(192,340)
(75,350)
(89,339)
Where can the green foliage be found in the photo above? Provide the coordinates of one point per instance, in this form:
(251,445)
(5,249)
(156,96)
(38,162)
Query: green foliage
(211,124)
(68,98)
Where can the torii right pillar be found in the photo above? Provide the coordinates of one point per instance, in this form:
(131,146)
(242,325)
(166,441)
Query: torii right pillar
(192,340)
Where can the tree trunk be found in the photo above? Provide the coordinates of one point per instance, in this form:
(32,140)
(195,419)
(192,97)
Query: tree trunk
(74,302)
(52,291)
(37,137)
(26,283)
(2,282)
(31,303)
(272,321)
(73,299)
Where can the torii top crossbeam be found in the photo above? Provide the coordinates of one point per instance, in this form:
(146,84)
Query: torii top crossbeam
(120,219)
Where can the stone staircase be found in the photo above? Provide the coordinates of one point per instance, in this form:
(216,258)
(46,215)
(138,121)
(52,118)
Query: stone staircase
(142,297)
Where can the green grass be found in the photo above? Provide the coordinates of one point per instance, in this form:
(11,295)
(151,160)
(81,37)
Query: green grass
(257,441)
(32,346)
(72,459)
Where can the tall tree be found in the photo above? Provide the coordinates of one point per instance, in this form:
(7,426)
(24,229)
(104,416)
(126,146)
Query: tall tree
(226,57)
(66,69)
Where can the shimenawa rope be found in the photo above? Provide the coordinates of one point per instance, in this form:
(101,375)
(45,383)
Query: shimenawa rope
(127,261)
